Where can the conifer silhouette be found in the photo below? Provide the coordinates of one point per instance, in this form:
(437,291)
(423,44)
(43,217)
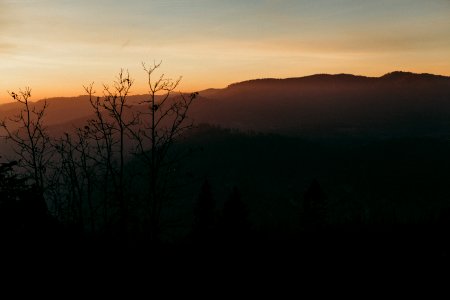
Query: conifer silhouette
(204,214)
(235,223)
(314,207)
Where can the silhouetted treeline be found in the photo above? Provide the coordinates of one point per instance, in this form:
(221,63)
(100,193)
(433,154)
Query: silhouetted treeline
(133,179)
(294,186)
(83,176)
(267,190)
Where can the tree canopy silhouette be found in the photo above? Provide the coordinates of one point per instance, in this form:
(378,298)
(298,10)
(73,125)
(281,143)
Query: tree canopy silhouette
(235,223)
(314,207)
(204,214)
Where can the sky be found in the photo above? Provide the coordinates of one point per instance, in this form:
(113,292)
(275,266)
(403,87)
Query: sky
(57,46)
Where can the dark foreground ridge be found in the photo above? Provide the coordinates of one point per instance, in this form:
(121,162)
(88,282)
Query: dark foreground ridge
(258,195)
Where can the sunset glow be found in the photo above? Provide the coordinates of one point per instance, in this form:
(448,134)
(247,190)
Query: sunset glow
(56,46)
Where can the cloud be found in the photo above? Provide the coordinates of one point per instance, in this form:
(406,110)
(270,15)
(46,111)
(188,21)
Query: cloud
(23,1)
(2,10)
(4,14)
(6,48)
(5,23)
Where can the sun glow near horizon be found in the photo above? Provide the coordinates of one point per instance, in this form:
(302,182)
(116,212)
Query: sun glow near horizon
(56,47)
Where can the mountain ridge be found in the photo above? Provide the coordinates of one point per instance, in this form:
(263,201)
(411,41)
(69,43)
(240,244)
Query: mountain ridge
(398,102)
(394,75)
(326,76)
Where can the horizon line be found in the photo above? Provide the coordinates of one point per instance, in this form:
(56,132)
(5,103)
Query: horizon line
(250,80)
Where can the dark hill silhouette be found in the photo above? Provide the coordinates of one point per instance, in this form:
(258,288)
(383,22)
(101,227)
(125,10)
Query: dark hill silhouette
(409,76)
(395,104)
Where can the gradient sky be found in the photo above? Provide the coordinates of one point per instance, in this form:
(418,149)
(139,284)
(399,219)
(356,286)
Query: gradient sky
(56,46)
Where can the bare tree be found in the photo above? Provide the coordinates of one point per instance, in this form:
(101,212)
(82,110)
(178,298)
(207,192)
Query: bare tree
(77,172)
(29,138)
(147,133)
(110,129)
(89,167)
(163,121)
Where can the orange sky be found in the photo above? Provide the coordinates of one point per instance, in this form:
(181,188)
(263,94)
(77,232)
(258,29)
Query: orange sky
(56,47)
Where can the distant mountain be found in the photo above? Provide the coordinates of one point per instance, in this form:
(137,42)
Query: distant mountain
(398,103)
(323,105)
(63,113)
